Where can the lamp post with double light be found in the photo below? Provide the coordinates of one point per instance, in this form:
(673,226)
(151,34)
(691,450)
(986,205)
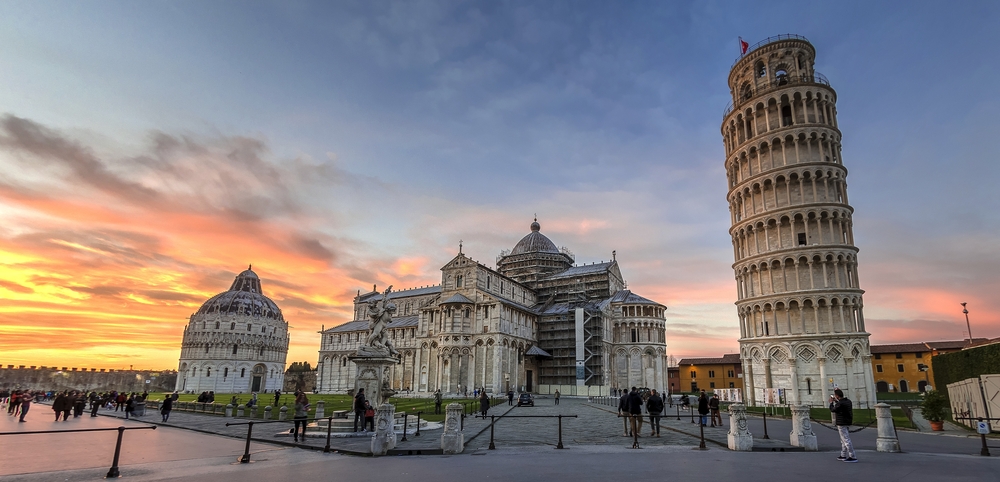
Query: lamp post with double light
(967,325)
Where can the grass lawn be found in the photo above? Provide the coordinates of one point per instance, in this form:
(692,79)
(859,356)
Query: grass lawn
(334,403)
(862,416)
(914,397)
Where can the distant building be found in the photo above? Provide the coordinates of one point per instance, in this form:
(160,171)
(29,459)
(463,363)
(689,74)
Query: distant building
(536,323)
(235,343)
(710,373)
(908,367)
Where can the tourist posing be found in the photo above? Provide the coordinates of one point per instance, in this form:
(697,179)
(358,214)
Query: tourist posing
(359,409)
(301,415)
(841,406)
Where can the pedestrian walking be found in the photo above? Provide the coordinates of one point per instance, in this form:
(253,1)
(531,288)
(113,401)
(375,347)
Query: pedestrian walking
(510,397)
(79,403)
(15,403)
(635,409)
(359,409)
(703,408)
(59,404)
(166,407)
(277,396)
(484,403)
(842,407)
(129,406)
(557,397)
(437,402)
(26,398)
(654,406)
(301,415)
(713,406)
(623,412)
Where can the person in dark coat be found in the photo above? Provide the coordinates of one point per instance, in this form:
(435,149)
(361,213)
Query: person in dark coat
(510,397)
(129,406)
(484,403)
(166,407)
(359,409)
(61,404)
(635,409)
(842,407)
(713,405)
(703,408)
(654,406)
(623,412)
(79,403)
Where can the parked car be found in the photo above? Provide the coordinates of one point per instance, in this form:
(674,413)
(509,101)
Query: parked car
(526,399)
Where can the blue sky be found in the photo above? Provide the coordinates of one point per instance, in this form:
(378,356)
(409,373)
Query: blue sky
(391,130)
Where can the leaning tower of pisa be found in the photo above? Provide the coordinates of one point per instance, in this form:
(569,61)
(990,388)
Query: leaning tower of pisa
(800,309)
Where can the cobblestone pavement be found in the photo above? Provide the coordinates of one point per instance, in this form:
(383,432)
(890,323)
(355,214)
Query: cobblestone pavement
(595,425)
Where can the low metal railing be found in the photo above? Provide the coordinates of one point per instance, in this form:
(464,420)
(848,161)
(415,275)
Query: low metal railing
(113,472)
(780,82)
(493,420)
(786,36)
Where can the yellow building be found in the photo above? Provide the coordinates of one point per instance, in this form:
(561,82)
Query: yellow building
(909,367)
(709,373)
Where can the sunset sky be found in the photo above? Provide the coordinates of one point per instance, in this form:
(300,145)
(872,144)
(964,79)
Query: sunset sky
(150,151)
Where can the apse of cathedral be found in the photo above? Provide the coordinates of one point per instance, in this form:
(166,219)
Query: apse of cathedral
(539,322)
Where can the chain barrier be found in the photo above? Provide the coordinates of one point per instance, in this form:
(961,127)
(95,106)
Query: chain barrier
(813,420)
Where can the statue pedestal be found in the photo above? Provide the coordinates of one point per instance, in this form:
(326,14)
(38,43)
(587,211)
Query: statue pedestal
(373,376)
(739,436)
(384,439)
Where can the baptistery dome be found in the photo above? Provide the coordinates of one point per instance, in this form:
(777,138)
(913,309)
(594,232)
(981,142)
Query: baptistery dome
(236,342)
(244,297)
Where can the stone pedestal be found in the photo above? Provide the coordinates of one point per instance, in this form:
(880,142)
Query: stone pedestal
(802,434)
(320,411)
(241,410)
(283,413)
(739,436)
(452,440)
(253,411)
(229,410)
(385,435)
(373,376)
(887,441)
(267,412)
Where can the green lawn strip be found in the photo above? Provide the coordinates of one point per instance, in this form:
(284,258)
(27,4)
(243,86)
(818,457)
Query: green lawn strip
(334,403)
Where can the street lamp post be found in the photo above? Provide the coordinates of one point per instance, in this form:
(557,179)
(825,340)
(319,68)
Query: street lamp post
(967,325)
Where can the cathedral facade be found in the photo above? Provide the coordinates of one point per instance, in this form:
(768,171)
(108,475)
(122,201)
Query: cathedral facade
(235,343)
(537,323)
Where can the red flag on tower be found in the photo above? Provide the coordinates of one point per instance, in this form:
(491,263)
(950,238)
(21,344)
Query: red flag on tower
(743,46)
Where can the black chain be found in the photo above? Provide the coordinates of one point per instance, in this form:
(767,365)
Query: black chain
(850,431)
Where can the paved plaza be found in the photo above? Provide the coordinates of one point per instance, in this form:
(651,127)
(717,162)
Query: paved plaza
(196,445)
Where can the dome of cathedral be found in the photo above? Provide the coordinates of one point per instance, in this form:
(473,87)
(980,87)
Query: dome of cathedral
(243,298)
(535,242)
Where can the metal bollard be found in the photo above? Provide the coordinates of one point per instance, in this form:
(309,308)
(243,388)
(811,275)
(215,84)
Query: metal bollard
(678,407)
(765,424)
(461,423)
(113,472)
(985,451)
(701,446)
(560,445)
(691,411)
(493,420)
(245,459)
(329,427)
(405,415)
(417,433)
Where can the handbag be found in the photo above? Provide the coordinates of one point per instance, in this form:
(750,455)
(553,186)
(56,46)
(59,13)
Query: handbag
(370,412)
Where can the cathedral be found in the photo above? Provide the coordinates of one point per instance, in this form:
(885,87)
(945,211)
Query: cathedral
(235,343)
(538,323)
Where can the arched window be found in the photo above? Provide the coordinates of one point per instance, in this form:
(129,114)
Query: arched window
(809,386)
(225,372)
(206,348)
(235,347)
(263,329)
(759,69)
(781,77)
(458,281)
(343,362)
(249,326)
(232,326)
(746,91)
(208,372)
(261,351)
(243,372)
(216,325)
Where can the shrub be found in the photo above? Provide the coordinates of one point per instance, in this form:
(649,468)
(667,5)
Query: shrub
(935,406)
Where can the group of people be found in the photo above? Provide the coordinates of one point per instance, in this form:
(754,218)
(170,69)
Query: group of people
(365,413)
(18,403)
(630,407)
